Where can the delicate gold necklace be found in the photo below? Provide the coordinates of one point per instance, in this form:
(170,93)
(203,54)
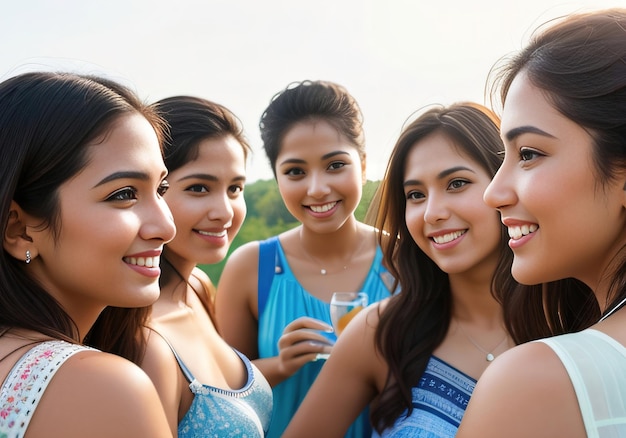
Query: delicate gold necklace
(324,271)
(489,354)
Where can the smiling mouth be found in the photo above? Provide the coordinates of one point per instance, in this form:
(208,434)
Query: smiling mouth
(517,232)
(322,208)
(212,234)
(449,237)
(149,262)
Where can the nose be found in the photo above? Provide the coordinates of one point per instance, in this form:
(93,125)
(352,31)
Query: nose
(499,192)
(158,222)
(318,185)
(220,208)
(436,209)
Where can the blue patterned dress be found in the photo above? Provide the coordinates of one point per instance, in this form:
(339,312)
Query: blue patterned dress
(217,412)
(439,402)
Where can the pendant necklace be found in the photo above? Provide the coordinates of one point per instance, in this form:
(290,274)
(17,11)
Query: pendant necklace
(489,354)
(324,271)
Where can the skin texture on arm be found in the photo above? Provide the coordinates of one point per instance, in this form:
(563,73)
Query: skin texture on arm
(99,395)
(516,398)
(236,300)
(348,382)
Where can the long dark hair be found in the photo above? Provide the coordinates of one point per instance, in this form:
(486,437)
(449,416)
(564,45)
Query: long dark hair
(580,64)
(416,320)
(192,120)
(47,122)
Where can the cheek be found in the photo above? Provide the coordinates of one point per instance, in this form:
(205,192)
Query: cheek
(239,213)
(414,218)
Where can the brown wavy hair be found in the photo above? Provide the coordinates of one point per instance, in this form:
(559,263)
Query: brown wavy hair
(416,320)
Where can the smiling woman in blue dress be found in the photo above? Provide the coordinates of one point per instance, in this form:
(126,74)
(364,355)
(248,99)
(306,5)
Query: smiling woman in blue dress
(313,136)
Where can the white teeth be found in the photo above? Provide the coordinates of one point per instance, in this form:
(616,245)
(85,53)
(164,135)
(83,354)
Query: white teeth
(149,262)
(517,232)
(323,208)
(448,237)
(208,233)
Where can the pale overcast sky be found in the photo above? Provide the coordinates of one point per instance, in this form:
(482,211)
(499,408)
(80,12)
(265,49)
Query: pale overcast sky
(394,56)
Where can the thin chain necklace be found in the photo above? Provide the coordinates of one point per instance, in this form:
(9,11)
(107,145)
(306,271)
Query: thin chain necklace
(489,354)
(619,305)
(324,271)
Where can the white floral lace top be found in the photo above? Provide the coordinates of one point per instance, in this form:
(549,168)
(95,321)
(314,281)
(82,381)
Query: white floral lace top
(26,383)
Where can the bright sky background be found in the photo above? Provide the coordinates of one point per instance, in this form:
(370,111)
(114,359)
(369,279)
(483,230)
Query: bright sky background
(394,56)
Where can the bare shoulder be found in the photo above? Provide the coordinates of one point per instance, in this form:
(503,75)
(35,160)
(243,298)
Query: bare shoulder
(162,368)
(524,392)
(159,361)
(357,343)
(244,255)
(93,387)
(239,277)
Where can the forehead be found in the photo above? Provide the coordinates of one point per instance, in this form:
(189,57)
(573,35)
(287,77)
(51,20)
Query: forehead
(528,109)
(313,134)
(434,152)
(130,143)
(527,105)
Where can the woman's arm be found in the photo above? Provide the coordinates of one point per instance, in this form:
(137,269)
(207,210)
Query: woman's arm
(236,302)
(237,318)
(348,382)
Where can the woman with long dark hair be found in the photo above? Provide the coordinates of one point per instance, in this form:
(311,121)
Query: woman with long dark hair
(416,356)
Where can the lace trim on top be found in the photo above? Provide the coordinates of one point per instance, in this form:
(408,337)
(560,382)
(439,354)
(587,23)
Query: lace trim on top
(26,383)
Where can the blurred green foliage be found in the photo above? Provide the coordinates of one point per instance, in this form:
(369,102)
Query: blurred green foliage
(268,216)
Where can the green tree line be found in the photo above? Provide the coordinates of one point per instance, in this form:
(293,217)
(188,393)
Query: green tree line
(268,216)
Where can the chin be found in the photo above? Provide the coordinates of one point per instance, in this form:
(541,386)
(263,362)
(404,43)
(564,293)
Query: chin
(526,275)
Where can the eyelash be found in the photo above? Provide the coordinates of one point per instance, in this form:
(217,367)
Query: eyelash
(235,189)
(411,196)
(163,187)
(121,195)
(527,154)
(130,193)
(297,171)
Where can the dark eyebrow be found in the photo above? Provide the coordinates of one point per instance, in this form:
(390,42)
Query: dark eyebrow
(208,177)
(516,132)
(440,175)
(332,154)
(324,157)
(125,175)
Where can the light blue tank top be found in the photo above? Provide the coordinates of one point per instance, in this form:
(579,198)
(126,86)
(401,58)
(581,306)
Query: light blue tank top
(217,412)
(287,300)
(439,402)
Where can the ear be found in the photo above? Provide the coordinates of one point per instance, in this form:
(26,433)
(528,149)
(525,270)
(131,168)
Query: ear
(16,240)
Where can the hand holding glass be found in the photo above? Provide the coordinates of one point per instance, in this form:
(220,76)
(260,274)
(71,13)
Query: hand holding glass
(344,306)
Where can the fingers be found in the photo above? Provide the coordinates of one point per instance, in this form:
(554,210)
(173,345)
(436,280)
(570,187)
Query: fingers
(306,322)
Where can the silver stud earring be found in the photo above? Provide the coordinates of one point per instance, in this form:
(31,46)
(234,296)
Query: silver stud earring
(28,259)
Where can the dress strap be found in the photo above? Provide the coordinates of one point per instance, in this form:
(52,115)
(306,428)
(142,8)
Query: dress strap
(269,264)
(26,383)
(186,371)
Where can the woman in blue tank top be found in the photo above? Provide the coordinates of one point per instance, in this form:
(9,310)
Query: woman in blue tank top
(313,136)
(415,357)
(207,388)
